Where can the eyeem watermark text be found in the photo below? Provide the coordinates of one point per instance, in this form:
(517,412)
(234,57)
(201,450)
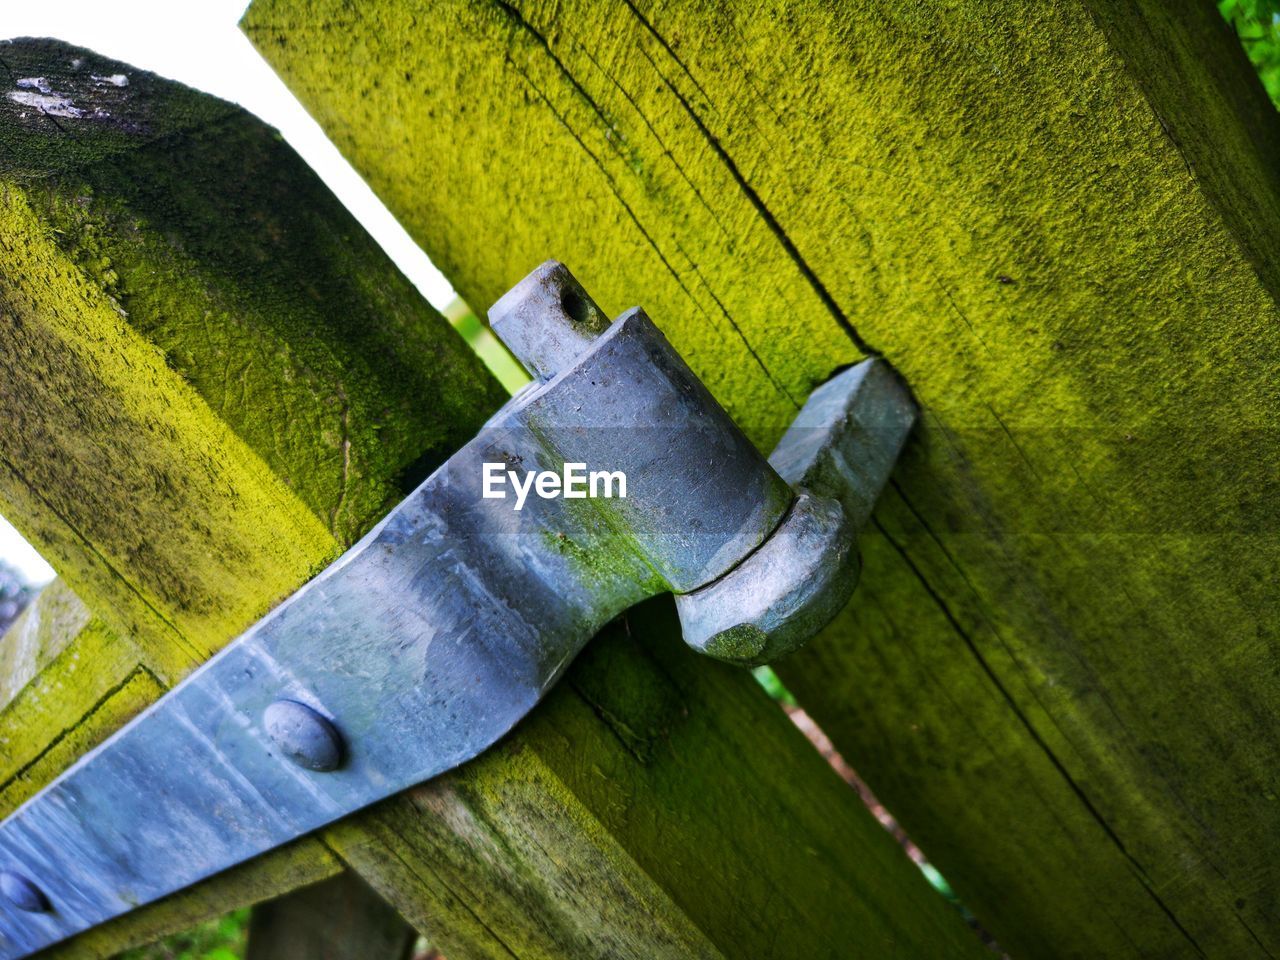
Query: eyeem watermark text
(572,483)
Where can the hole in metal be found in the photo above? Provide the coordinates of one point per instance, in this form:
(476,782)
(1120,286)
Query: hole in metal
(574,305)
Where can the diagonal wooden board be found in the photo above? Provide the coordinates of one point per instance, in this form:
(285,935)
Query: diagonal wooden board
(1060,222)
(213,381)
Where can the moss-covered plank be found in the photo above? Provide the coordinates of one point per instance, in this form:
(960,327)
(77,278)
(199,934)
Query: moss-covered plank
(230,384)
(76,373)
(78,700)
(40,633)
(200,254)
(1060,222)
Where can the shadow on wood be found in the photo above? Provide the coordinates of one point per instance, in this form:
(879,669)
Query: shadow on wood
(336,919)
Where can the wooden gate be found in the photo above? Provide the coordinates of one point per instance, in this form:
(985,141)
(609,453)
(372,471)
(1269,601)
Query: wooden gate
(1060,222)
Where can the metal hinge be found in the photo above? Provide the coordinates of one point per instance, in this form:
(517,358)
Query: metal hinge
(431,637)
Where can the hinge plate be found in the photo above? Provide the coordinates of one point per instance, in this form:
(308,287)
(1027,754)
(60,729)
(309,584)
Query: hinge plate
(430,638)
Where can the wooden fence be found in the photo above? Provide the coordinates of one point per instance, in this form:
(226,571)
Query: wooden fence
(213,381)
(1059,221)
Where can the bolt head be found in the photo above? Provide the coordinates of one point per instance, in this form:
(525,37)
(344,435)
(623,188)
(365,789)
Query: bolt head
(304,735)
(22,893)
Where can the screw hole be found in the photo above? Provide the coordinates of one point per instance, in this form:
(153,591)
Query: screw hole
(574,305)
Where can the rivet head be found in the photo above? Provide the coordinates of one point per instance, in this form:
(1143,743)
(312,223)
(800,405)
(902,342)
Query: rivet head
(303,735)
(22,893)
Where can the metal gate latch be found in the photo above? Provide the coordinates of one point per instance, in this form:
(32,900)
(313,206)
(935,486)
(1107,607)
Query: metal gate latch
(430,638)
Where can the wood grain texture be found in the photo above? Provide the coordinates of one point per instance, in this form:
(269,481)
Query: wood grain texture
(218,382)
(1060,222)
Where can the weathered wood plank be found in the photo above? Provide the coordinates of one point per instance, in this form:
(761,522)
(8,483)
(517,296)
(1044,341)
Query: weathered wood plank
(300,384)
(200,253)
(1060,222)
(336,919)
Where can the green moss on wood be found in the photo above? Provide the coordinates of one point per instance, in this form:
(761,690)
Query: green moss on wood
(180,474)
(597,220)
(37,636)
(200,301)
(1059,222)
(90,684)
(150,506)
(279,309)
(64,107)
